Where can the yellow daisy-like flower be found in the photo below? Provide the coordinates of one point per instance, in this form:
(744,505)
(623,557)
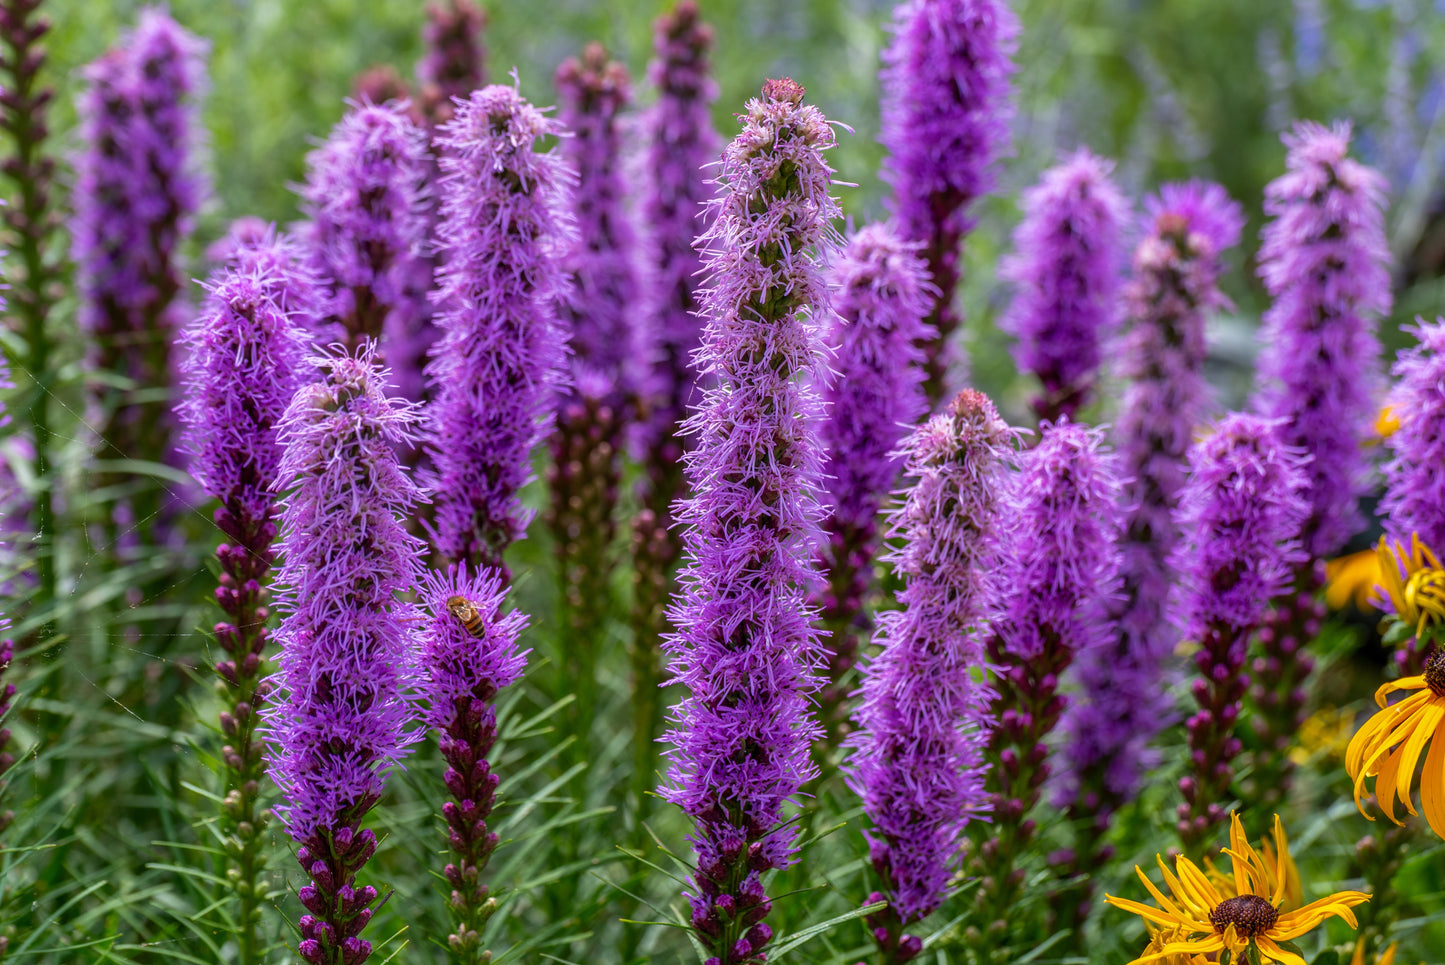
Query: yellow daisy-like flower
(1351,579)
(1324,734)
(1414,581)
(1389,746)
(1203,920)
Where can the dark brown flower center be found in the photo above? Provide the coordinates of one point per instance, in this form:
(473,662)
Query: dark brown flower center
(1435,672)
(1250,915)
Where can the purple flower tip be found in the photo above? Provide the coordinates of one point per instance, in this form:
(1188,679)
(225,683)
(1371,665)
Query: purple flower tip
(469,646)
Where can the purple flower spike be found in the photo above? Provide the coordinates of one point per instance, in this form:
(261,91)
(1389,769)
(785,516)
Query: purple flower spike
(245,359)
(343,720)
(923,721)
(136,194)
(946,114)
(745,647)
(455,63)
(1241,511)
(367,198)
(1068,255)
(495,372)
(1414,485)
(468,653)
(1325,262)
(1125,702)
(881,294)
(1059,576)
(680,143)
(279,265)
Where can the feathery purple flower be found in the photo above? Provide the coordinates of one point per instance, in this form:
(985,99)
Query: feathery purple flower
(343,720)
(880,295)
(468,654)
(1325,262)
(1068,255)
(136,194)
(1175,282)
(745,647)
(367,198)
(1241,512)
(945,116)
(495,372)
(923,721)
(1060,575)
(1414,483)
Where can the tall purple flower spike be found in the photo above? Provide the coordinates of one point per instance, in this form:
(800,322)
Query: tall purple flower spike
(1325,262)
(455,63)
(1067,261)
(881,294)
(681,143)
(1414,486)
(1175,282)
(245,359)
(1060,575)
(496,370)
(586,470)
(946,114)
(924,718)
(136,194)
(366,194)
(1241,513)
(468,654)
(344,719)
(745,647)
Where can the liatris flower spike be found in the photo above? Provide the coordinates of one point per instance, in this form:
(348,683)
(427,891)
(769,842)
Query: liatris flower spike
(1250,925)
(345,718)
(745,647)
(1414,485)
(923,722)
(1059,573)
(1125,701)
(455,63)
(1242,508)
(945,115)
(468,654)
(245,359)
(880,297)
(495,371)
(366,195)
(1068,256)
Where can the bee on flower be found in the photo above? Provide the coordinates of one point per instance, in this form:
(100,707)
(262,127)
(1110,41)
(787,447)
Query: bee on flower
(1248,919)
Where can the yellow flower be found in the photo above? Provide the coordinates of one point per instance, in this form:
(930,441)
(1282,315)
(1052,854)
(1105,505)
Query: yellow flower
(1387,957)
(1350,578)
(1325,733)
(1414,581)
(1389,746)
(1204,921)
(1387,423)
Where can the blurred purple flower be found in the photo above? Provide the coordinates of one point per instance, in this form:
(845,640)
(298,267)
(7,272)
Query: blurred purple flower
(945,117)
(1068,256)
(455,63)
(1325,262)
(1414,482)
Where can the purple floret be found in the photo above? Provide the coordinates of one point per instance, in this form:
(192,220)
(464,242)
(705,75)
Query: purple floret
(923,721)
(1175,283)
(745,647)
(874,395)
(495,371)
(367,198)
(1415,474)
(945,117)
(1325,262)
(1068,256)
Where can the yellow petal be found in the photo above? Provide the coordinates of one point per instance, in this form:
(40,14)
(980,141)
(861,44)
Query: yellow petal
(1432,787)
(1146,912)
(1276,953)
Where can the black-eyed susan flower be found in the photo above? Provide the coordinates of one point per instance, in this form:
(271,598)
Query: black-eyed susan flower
(1200,919)
(1413,582)
(1390,743)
